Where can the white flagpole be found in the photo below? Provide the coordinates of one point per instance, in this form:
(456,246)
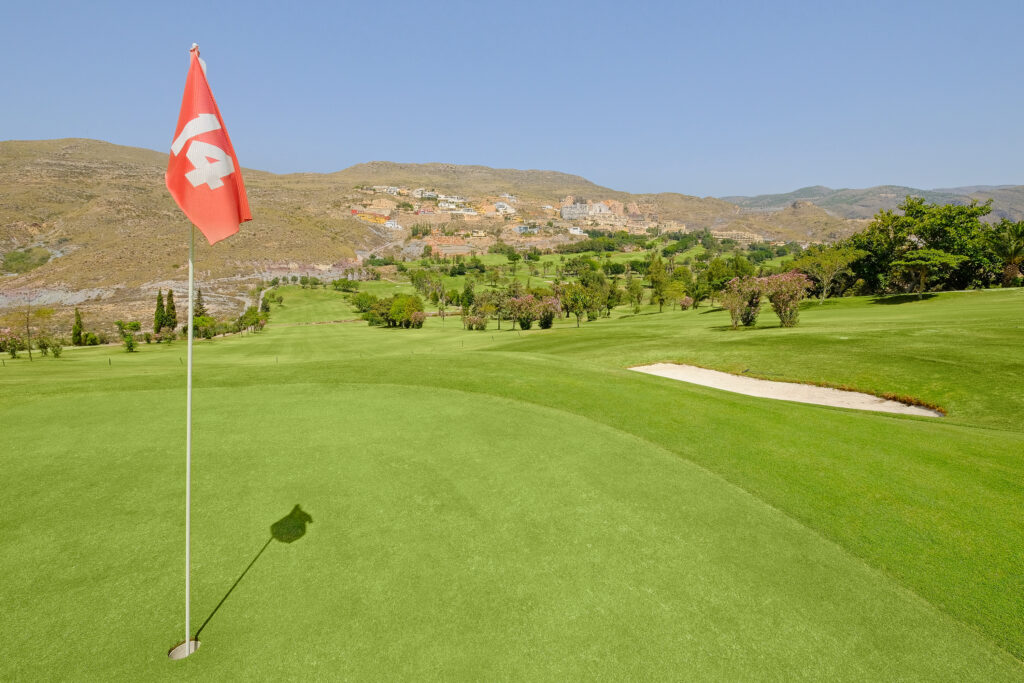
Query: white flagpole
(188,442)
(189,645)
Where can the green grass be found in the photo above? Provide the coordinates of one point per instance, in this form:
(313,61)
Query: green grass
(24,260)
(506,505)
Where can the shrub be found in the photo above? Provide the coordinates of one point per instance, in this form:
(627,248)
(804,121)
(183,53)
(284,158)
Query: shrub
(56,348)
(685,303)
(345,285)
(90,339)
(416,319)
(476,322)
(363,301)
(395,311)
(43,344)
(524,310)
(548,309)
(11,343)
(785,292)
(742,296)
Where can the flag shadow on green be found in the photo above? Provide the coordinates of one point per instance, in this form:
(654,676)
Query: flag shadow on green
(288,529)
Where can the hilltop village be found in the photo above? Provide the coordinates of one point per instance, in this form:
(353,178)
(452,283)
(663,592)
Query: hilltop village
(421,220)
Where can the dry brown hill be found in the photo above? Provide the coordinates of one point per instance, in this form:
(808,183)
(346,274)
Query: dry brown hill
(801,221)
(474,181)
(116,236)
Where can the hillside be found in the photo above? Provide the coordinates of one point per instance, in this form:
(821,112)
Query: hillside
(799,221)
(115,235)
(99,219)
(474,181)
(1008,200)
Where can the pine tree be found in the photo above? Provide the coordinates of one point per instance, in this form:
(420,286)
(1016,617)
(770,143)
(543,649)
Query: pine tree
(200,308)
(160,316)
(170,315)
(76,329)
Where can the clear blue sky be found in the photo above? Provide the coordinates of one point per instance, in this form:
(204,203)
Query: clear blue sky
(706,98)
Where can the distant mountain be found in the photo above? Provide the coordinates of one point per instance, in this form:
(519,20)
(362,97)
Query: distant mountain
(1008,200)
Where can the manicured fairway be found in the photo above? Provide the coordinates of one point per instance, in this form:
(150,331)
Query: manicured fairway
(506,505)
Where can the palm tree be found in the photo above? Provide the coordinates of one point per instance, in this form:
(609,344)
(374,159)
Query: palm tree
(1007,243)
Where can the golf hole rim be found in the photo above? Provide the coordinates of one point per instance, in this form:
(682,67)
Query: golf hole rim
(181,650)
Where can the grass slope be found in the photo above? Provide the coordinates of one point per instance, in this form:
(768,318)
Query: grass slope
(513,505)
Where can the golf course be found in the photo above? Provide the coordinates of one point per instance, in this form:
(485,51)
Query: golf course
(519,505)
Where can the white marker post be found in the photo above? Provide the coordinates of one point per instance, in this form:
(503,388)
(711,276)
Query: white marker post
(188,646)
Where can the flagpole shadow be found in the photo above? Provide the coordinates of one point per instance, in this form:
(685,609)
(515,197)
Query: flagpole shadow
(288,529)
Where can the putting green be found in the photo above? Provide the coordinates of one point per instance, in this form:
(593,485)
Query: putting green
(503,550)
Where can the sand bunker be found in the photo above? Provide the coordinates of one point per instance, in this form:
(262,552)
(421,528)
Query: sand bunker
(784,391)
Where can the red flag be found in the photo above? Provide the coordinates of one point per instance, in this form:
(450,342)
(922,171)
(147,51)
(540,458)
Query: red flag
(203,174)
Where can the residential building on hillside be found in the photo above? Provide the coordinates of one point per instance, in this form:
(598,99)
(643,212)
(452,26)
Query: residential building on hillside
(580,211)
(527,229)
(504,209)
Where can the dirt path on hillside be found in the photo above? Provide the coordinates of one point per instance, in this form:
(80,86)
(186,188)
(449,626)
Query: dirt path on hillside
(783,391)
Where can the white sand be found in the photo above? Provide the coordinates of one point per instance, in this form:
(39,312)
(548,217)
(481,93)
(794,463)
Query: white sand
(783,391)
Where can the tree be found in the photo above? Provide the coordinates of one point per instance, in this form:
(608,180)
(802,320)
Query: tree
(524,310)
(76,330)
(825,264)
(548,309)
(659,281)
(675,291)
(785,291)
(160,315)
(634,292)
(700,291)
(1007,244)
(742,297)
(170,315)
(513,260)
(920,263)
(951,228)
(468,297)
(612,298)
(199,308)
(128,330)
(576,300)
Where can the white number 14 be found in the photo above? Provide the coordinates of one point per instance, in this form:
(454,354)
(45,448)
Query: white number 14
(210,161)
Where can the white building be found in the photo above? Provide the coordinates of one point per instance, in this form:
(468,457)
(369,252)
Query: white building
(504,209)
(392,224)
(578,211)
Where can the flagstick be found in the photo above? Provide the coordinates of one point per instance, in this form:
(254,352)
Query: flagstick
(188,646)
(188,438)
